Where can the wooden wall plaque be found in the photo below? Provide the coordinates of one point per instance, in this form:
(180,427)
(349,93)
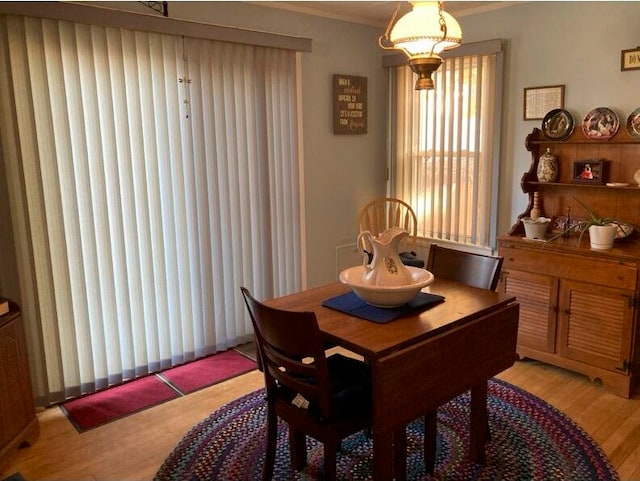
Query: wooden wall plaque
(349,104)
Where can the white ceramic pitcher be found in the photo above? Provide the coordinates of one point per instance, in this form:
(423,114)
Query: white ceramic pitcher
(385,268)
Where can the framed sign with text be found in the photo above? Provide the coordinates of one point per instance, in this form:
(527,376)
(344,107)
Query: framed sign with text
(538,101)
(630,59)
(349,104)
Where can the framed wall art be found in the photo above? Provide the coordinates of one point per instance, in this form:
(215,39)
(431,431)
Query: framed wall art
(540,100)
(349,104)
(630,59)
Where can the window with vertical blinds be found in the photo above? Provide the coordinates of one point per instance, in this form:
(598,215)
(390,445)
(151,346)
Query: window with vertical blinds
(151,176)
(446,148)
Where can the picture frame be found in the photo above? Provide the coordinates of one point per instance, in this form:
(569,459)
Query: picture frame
(630,59)
(538,101)
(349,104)
(590,172)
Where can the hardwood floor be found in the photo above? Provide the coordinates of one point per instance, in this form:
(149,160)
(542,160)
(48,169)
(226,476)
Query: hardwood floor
(134,448)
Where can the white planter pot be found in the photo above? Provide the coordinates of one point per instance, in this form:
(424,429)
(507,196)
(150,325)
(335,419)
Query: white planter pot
(536,229)
(602,236)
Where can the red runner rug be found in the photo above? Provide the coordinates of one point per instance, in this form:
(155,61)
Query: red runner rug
(206,372)
(94,410)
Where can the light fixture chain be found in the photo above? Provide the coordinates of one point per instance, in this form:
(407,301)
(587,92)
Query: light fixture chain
(387,32)
(443,25)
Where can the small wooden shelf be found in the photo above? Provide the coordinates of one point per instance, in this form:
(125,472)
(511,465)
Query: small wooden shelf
(590,186)
(622,154)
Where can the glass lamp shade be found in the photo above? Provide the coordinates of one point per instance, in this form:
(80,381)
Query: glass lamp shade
(419,34)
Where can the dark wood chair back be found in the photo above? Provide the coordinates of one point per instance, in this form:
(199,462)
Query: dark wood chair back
(328,398)
(476,270)
(285,338)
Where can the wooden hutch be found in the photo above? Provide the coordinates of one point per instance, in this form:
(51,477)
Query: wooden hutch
(578,306)
(18,422)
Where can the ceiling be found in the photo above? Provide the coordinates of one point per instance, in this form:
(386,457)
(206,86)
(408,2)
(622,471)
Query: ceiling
(377,13)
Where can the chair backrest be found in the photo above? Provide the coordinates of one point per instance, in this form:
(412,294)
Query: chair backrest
(472,269)
(381,214)
(291,351)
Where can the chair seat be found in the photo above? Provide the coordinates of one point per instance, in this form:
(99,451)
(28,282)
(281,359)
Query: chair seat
(350,381)
(411,259)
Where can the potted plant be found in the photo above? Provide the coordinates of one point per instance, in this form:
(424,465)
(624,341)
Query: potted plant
(602,230)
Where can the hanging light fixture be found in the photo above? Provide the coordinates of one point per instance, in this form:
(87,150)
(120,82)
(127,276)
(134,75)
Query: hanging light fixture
(422,34)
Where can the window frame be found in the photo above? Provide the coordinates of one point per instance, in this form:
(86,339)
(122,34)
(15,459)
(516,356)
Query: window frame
(495,47)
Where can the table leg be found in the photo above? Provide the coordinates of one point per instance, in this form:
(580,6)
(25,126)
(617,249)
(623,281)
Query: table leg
(430,443)
(382,456)
(400,454)
(479,423)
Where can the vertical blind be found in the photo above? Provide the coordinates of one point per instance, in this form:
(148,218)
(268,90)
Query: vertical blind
(151,176)
(444,160)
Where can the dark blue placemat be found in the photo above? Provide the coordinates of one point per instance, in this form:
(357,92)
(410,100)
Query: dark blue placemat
(350,303)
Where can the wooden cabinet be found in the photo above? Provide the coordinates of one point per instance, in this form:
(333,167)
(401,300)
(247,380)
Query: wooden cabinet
(579,307)
(18,421)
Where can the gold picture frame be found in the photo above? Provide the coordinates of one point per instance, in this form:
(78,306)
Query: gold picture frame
(630,59)
(538,101)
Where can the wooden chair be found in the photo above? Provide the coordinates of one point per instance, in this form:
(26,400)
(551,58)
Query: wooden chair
(381,214)
(476,270)
(328,398)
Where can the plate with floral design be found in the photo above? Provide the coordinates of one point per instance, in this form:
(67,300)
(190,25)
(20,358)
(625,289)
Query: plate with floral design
(633,124)
(558,124)
(601,124)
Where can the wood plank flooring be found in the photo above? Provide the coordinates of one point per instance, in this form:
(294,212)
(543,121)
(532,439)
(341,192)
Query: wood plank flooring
(133,448)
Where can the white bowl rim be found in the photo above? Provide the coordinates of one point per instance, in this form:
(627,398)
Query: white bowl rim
(424,278)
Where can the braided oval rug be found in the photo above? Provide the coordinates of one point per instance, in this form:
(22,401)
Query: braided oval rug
(530,440)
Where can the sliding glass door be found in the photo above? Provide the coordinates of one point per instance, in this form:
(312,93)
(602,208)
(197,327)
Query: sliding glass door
(150,177)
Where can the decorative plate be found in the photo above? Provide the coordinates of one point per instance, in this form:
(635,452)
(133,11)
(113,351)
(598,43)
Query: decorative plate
(601,124)
(558,124)
(633,124)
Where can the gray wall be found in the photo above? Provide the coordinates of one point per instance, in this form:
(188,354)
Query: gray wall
(577,44)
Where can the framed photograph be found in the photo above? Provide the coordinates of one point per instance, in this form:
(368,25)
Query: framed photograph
(589,172)
(540,100)
(630,59)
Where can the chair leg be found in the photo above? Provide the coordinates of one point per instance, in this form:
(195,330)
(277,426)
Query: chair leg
(297,448)
(430,435)
(272,438)
(330,455)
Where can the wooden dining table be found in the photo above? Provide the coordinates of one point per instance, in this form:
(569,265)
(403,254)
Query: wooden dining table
(422,359)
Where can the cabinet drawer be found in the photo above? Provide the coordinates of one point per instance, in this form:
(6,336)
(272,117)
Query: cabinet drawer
(594,270)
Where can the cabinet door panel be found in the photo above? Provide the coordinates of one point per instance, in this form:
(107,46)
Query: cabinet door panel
(16,398)
(595,325)
(537,295)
